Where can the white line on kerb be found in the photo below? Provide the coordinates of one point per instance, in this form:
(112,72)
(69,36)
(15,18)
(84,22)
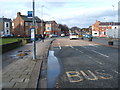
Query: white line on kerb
(100,53)
(59,46)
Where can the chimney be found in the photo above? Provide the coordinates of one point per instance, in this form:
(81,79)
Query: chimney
(18,14)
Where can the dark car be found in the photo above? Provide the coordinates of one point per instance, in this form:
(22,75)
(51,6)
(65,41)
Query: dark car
(89,36)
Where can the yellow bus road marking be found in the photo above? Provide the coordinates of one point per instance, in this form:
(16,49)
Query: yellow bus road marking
(74,76)
(103,75)
(86,76)
(78,76)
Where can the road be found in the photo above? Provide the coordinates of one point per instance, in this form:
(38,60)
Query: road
(85,64)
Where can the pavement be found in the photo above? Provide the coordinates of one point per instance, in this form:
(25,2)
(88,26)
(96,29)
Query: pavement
(20,71)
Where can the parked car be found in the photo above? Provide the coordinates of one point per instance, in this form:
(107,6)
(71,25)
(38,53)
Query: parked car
(67,34)
(89,36)
(5,35)
(53,35)
(62,35)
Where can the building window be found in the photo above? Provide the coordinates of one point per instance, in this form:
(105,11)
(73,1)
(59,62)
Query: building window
(104,33)
(13,25)
(7,31)
(26,23)
(6,24)
(95,33)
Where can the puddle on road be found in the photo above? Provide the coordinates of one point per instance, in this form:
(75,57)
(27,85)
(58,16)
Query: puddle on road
(53,70)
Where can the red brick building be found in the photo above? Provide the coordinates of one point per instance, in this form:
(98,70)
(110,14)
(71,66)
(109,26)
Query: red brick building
(22,24)
(99,28)
(51,27)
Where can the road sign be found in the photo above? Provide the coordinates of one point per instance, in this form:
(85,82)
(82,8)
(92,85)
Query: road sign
(30,13)
(32,33)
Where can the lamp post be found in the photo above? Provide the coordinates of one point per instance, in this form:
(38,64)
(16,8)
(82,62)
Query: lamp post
(3,25)
(33,26)
(42,22)
(113,21)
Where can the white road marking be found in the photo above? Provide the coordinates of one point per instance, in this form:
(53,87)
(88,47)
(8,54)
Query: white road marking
(95,61)
(76,49)
(117,72)
(59,46)
(71,46)
(100,53)
(99,62)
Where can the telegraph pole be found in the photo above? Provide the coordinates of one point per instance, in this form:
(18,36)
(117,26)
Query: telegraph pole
(33,25)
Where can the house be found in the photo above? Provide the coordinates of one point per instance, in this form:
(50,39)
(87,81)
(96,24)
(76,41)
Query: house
(99,28)
(22,25)
(51,27)
(5,26)
(114,32)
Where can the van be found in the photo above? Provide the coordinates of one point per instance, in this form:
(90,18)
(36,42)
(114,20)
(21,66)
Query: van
(73,36)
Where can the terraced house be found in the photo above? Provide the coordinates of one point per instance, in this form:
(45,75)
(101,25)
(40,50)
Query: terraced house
(5,27)
(22,24)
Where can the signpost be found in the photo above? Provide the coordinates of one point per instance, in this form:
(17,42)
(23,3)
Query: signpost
(32,34)
(30,13)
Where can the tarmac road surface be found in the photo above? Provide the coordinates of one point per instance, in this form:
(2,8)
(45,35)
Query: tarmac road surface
(85,64)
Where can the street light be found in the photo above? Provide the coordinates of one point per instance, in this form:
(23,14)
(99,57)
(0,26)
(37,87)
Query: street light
(113,21)
(33,26)
(42,22)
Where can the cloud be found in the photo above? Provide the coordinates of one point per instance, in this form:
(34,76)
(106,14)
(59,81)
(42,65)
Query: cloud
(86,17)
(81,13)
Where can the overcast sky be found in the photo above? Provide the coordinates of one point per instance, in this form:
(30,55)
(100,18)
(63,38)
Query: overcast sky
(80,13)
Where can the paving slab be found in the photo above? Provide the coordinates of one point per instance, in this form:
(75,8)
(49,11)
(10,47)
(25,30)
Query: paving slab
(23,72)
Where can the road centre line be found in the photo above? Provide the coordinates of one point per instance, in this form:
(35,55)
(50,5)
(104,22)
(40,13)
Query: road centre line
(59,45)
(100,53)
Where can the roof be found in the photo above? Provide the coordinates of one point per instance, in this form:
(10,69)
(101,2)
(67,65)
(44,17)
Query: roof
(50,22)
(5,20)
(25,18)
(110,23)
